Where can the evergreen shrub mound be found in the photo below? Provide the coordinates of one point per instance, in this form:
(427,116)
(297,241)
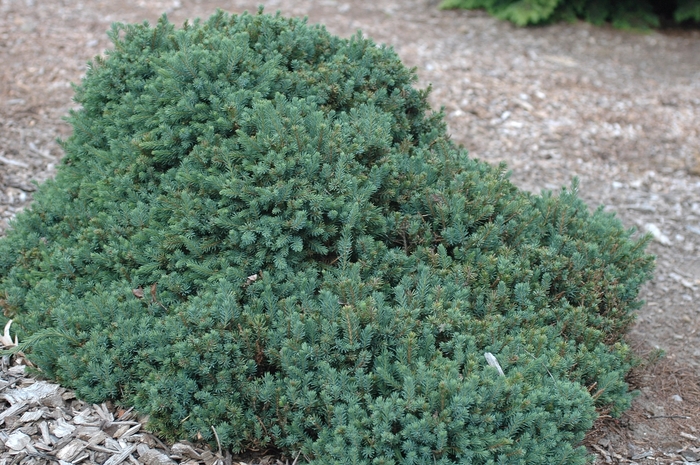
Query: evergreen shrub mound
(262,229)
(625,14)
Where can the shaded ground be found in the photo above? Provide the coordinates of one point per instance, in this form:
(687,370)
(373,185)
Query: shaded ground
(619,110)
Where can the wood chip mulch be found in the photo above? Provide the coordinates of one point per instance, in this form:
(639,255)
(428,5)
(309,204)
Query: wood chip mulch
(42,423)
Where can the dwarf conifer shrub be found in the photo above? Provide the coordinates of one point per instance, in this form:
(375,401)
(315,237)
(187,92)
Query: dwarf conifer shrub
(261,228)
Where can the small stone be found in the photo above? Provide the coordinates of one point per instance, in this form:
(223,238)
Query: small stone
(677,398)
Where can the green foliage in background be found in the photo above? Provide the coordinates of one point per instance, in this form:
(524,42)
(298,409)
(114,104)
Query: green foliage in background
(687,10)
(626,14)
(261,228)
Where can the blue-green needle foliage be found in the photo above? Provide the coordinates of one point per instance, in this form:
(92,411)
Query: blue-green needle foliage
(262,228)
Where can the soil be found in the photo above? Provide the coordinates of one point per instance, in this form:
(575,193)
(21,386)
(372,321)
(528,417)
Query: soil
(619,110)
